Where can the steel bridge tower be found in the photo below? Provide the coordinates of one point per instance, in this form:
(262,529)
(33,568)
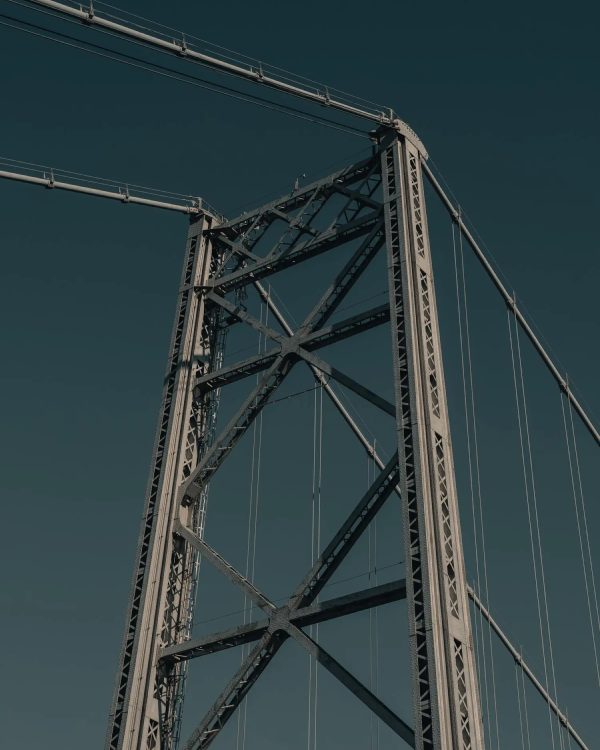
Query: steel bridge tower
(384,211)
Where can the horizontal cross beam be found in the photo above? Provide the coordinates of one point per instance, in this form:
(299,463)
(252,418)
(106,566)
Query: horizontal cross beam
(281,207)
(311,615)
(330,335)
(323,242)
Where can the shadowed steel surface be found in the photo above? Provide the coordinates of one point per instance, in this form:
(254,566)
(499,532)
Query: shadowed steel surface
(445,695)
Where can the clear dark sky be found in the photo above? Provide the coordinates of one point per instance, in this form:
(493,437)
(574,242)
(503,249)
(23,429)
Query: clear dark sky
(505,97)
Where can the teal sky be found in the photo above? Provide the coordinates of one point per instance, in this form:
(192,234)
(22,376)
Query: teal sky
(505,98)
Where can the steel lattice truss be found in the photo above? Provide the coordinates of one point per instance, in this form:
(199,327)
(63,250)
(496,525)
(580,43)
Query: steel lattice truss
(383,207)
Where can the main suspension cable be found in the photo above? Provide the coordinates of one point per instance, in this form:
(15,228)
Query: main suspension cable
(234,64)
(291,75)
(172,74)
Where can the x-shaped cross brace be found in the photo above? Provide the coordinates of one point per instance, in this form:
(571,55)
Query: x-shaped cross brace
(296,345)
(291,350)
(285,621)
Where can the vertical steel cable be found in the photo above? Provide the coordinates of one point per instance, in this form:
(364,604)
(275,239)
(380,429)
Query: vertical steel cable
(377,723)
(370,568)
(528,504)
(583,563)
(523,685)
(242,711)
(312,561)
(476,614)
(478,475)
(568,733)
(537,526)
(253,514)
(519,704)
(313,675)
(584,513)
(469,455)
(373,614)
(320,392)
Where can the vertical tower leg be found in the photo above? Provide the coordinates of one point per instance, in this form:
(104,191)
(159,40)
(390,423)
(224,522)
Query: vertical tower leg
(445,697)
(146,704)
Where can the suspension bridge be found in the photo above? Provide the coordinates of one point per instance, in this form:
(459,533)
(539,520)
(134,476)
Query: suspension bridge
(321,303)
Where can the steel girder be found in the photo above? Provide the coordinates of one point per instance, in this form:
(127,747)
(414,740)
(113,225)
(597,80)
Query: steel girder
(445,695)
(163,579)
(382,204)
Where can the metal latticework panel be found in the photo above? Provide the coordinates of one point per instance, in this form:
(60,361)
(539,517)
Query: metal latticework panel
(446,704)
(145,709)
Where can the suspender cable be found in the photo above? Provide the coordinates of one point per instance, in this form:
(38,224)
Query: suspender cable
(373,613)
(470,463)
(318,550)
(256,499)
(519,704)
(378,722)
(537,520)
(585,523)
(525,701)
(312,560)
(562,383)
(568,733)
(529,518)
(476,620)
(315,552)
(478,476)
(370,569)
(252,532)
(313,682)
(581,547)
